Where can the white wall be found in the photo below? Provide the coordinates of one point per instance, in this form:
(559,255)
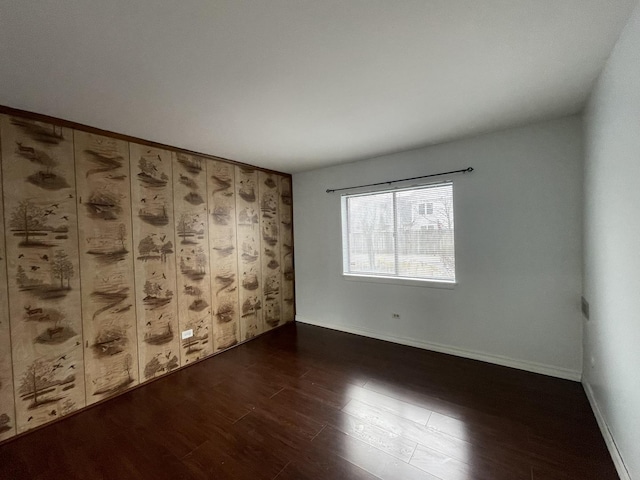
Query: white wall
(612,248)
(518,251)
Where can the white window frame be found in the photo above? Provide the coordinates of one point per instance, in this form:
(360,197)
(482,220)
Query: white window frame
(395,280)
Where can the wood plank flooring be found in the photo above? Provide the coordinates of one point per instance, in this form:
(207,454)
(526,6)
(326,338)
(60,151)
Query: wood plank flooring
(304,402)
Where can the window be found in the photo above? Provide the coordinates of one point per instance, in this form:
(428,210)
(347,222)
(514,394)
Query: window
(425,209)
(429,208)
(382,237)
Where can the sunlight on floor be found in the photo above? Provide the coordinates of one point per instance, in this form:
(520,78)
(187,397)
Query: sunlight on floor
(382,433)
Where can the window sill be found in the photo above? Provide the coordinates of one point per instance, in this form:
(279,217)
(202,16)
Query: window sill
(400,281)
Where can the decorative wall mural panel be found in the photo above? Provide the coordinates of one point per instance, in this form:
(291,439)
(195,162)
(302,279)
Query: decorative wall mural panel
(249,268)
(42,266)
(286,249)
(270,256)
(192,255)
(111,249)
(106,259)
(223,255)
(7,406)
(155,260)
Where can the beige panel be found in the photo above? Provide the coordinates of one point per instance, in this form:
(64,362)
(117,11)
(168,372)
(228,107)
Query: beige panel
(155,263)
(223,257)
(270,258)
(159,242)
(286,249)
(106,260)
(42,265)
(7,405)
(249,270)
(192,255)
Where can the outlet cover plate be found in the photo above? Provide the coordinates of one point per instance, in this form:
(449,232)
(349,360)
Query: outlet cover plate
(187,334)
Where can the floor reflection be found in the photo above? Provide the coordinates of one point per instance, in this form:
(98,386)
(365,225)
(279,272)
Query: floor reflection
(396,431)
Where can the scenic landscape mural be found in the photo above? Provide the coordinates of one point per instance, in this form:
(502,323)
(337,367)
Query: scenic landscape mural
(249,265)
(120,262)
(106,261)
(192,256)
(223,256)
(7,406)
(41,236)
(155,260)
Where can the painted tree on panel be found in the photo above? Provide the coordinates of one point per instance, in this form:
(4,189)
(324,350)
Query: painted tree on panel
(128,366)
(42,384)
(122,236)
(62,268)
(27,219)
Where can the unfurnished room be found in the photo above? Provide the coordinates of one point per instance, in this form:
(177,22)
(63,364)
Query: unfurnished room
(322,240)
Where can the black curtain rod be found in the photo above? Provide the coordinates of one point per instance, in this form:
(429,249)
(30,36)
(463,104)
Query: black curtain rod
(464,170)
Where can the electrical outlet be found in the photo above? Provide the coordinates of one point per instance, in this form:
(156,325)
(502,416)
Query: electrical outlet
(187,334)
(395,316)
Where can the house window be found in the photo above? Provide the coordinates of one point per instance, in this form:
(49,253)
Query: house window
(383,238)
(425,209)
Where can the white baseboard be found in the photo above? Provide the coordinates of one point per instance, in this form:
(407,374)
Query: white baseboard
(549,370)
(623,473)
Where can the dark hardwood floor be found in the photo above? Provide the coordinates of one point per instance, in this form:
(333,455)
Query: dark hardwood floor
(309,403)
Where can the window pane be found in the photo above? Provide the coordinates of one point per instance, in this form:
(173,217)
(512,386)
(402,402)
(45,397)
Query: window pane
(425,242)
(371,243)
(402,233)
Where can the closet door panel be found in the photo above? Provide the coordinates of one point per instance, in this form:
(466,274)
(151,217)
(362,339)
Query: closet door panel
(286,250)
(7,405)
(42,266)
(223,255)
(192,256)
(106,262)
(154,260)
(270,248)
(249,265)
